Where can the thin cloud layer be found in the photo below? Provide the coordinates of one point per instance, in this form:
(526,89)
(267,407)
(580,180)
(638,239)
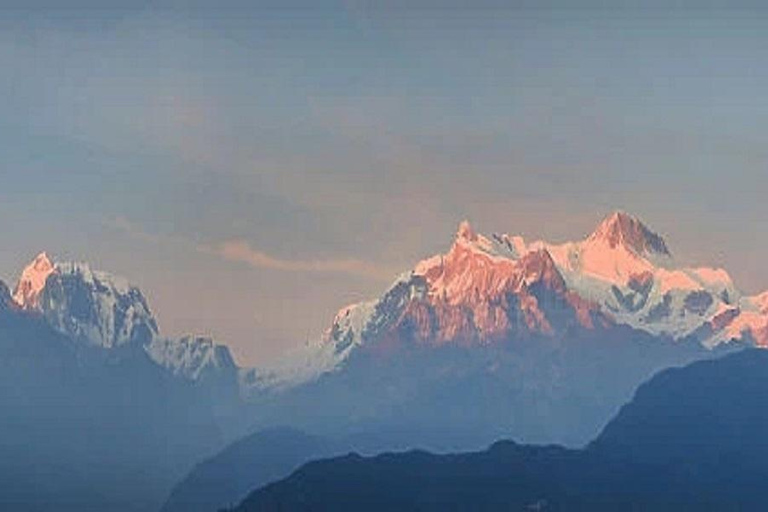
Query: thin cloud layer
(241,251)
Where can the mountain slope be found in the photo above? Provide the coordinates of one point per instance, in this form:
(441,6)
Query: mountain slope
(486,289)
(538,390)
(261,458)
(193,357)
(499,337)
(683,443)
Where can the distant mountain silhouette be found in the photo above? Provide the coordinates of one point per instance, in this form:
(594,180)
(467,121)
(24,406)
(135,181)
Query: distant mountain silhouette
(693,438)
(256,460)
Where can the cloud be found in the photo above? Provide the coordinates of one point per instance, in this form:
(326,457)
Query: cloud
(242,252)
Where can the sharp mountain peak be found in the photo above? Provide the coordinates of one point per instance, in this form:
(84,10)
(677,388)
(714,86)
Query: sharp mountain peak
(622,229)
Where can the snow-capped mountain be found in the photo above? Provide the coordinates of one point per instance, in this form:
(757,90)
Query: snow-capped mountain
(628,270)
(99,310)
(193,357)
(96,308)
(486,289)
(113,429)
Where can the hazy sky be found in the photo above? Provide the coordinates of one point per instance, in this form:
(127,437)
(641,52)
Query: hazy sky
(256,166)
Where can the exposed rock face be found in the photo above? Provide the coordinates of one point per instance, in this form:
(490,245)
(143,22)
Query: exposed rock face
(472,296)
(32,282)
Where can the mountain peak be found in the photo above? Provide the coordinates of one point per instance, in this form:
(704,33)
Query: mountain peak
(96,307)
(42,262)
(32,281)
(466,232)
(623,229)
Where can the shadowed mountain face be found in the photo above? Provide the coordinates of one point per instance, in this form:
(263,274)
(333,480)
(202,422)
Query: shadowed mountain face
(88,430)
(623,229)
(535,389)
(692,438)
(701,429)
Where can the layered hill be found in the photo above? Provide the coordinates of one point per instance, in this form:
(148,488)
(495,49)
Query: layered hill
(691,439)
(256,460)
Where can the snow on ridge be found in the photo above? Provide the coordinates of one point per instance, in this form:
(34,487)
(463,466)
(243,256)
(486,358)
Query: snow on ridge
(494,247)
(191,356)
(96,308)
(303,364)
(99,309)
(90,306)
(117,284)
(759,302)
(713,275)
(622,229)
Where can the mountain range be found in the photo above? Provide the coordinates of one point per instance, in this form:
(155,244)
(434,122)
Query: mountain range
(553,337)
(96,404)
(486,289)
(497,338)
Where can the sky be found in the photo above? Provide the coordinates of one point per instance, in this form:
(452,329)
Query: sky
(255,166)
